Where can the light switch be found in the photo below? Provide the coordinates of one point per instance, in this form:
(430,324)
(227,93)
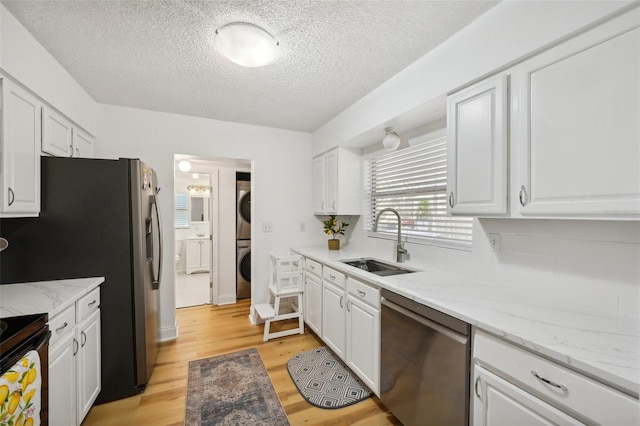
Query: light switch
(495,242)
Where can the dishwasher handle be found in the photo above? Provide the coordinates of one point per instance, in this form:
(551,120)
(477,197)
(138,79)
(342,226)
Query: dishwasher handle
(460,338)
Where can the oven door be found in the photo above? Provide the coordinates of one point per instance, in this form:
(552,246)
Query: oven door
(24,381)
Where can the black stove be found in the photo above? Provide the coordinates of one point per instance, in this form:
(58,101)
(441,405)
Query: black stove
(15,330)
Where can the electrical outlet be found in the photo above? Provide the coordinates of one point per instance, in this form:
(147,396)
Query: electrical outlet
(496,242)
(267,227)
(303,227)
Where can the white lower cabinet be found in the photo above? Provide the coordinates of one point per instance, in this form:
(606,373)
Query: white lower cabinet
(363,332)
(198,256)
(498,402)
(333,317)
(313,302)
(75,361)
(525,389)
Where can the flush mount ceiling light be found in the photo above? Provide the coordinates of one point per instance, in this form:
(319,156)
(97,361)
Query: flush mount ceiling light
(391,140)
(184,166)
(247,44)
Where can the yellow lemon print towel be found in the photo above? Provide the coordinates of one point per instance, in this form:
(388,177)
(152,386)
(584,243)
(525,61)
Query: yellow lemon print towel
(20,392)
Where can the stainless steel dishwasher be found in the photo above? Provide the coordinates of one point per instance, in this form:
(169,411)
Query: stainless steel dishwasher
(424,377)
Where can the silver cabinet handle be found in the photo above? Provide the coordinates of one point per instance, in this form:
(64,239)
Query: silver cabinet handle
(84,338)
(75,346)
(322,206)
(12,196)
(77,152)
(549,382)
(93,302)
(348,304)
(62,327)
(333,277)
(476,388)
(362,293)
(451,199)
(334,205)
(341,302)
(521,195)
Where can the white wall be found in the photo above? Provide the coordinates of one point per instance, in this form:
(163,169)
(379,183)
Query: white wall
(281,179)
(26,61)
(507,33)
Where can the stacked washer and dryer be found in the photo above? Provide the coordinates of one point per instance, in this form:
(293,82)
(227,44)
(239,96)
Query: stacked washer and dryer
(243,235)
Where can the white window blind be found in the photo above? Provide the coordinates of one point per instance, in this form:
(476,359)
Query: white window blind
(182,211)
(414,182)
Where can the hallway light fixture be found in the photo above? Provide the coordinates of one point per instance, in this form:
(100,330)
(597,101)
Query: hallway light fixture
(184,166)
(199,188)
(391,140)
(247,44)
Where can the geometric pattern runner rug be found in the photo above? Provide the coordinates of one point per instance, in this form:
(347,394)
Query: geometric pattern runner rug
(324,380)
(232,389)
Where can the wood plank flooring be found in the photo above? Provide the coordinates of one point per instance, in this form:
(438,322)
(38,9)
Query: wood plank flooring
(206,331)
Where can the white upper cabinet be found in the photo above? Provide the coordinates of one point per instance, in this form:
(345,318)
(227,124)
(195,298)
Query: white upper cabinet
(576,116)
(337,180)
(82,144)
(62,139)
(56,134)
(477,130)
(21,119)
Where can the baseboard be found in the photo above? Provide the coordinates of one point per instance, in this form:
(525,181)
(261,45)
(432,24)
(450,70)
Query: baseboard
(254,318)
(226,299)
(166,334)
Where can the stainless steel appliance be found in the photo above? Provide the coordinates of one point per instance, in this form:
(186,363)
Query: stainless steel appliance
(99,218)
(243,198)
(424,377)
(243,256)
(18,337)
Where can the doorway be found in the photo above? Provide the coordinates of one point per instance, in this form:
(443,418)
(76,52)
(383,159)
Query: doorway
(205,229)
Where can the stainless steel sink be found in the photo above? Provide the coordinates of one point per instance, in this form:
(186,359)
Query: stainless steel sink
(377,267)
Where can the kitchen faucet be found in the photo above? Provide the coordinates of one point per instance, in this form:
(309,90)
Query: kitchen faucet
(401,253)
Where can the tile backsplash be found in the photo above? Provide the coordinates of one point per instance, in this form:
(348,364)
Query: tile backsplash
(582,266)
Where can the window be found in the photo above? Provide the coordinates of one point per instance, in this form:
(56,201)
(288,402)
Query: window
(414,182)
(182,211)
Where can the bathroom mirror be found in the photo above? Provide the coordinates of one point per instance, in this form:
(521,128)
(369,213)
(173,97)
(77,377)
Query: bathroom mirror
(198,209)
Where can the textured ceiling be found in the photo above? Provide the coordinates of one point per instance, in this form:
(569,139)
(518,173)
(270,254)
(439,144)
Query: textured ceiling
(159,55)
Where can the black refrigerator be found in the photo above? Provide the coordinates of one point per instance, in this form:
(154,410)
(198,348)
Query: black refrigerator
(99,218)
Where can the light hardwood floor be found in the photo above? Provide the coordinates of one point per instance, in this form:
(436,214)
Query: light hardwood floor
(206,331)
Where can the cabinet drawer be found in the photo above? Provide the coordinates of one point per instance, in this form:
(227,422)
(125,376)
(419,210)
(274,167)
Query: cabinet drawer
(570,391)
(87,304)
(313,267)
(333,276)
(62,324)
(363,291)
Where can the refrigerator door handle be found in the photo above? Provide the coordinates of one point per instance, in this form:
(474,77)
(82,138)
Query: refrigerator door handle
(157,243)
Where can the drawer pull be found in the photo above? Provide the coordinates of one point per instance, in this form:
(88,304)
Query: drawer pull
(362,293)
(549,382)
(521,195)
(84,338)
(341,302)
(476,388)
(333,277)
(92,303)
(75,346)
(62,327)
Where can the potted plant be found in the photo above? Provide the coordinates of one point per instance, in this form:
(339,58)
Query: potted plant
(332,228)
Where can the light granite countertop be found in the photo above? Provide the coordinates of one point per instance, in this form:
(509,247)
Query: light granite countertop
(606,349)
(51,297)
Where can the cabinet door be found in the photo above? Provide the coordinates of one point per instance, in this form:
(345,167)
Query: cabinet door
(477,148)
(313,303)
(20,149)
(56,134)
(62,382)
(319,185)
(82,144)
(363,341)
(497,402)
(333,317)
(205,253)
(332,182)
(193,255)
(578,133)
(88,363)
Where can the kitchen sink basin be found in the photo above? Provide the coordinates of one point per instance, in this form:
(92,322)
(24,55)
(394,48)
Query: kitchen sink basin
(377,267)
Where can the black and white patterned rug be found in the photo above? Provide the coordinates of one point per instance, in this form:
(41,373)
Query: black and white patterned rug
(324,380)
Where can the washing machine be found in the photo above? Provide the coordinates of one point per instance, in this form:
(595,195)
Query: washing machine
(243,210)
(243,260)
